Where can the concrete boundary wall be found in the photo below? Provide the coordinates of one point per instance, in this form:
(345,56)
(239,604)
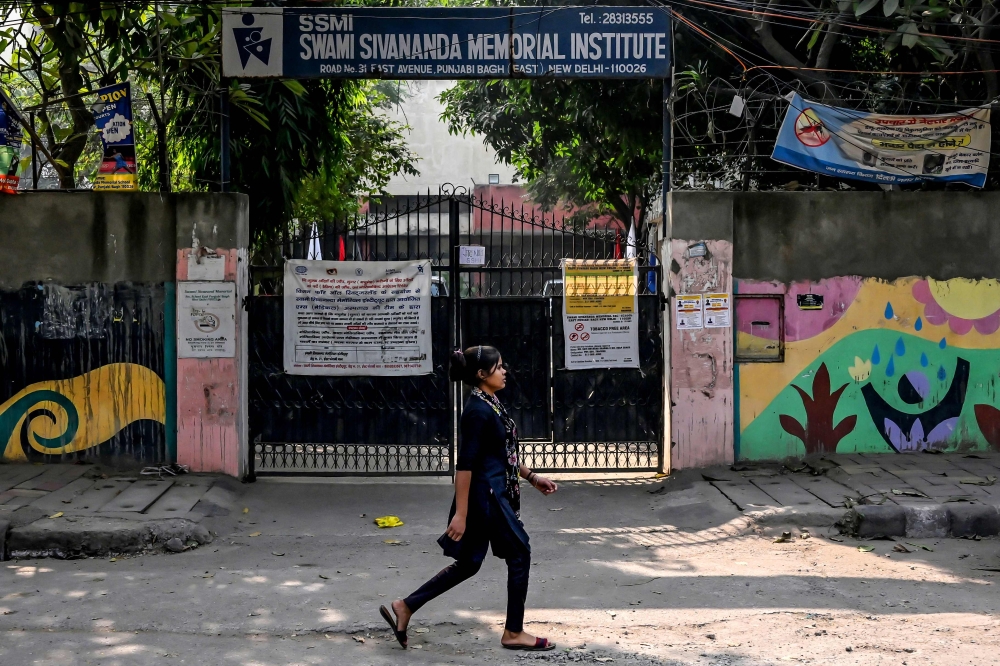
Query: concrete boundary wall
(903,354)
(88,325)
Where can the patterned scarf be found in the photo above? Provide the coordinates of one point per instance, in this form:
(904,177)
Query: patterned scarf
(510,445)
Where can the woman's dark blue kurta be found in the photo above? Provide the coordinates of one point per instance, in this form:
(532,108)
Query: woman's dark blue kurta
(490,519)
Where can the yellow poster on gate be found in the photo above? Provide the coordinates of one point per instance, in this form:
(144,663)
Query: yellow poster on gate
(600,313)
(599,286)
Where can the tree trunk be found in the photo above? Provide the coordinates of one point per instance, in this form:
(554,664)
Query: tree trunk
(162,165)
(71,82)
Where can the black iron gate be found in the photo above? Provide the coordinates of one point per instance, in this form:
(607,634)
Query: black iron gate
(579,420)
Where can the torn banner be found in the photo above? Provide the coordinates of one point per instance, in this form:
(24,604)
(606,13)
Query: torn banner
(113,117)
(891,150)
(11,123)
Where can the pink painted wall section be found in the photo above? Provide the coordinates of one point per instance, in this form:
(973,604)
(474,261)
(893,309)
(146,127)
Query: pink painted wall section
(209,418)
(208,410)
(838,295)
(701,364)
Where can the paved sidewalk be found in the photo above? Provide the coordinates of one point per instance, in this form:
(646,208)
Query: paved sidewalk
(896,495)
(626,572)
(74,510)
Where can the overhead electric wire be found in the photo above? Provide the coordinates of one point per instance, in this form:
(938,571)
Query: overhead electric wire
(734,7)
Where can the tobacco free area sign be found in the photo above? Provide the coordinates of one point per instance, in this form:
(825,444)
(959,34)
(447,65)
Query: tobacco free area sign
(446,42)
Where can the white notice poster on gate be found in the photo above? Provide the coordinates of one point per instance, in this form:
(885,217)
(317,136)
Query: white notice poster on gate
(600,313)
(206,320)
(358,318)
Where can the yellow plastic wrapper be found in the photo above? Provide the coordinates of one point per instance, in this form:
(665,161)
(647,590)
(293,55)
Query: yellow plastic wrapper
(388,521)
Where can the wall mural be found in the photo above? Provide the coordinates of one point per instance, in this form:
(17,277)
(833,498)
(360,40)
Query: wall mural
(882,367)
(64,416)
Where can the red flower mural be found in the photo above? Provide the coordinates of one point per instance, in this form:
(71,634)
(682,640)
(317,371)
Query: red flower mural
(988,418)
(819,433)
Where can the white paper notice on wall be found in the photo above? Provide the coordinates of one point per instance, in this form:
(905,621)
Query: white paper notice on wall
(351,318)
(206,267)
(688,311)
(472,255)
(717,311)
(206,320)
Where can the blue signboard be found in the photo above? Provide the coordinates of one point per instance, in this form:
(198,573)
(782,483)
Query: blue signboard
(447,43)
(113,118)
(10,145)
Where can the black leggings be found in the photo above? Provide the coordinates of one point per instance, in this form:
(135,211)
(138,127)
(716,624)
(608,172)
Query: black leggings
(518,568)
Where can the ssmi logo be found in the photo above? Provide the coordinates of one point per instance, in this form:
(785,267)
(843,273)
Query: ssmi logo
(252,41)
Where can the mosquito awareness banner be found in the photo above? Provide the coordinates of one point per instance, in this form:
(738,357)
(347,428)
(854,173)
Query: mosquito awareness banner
(113,117)
(10,145)
(951,147)
(358,318)
(446,42)
(600,313)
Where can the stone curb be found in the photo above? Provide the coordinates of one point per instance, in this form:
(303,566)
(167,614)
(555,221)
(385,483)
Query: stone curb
(867,521)
(788,516)
(925,521)
(4,529)
(96,536)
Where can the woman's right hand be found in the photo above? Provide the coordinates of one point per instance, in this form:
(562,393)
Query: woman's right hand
(456,528)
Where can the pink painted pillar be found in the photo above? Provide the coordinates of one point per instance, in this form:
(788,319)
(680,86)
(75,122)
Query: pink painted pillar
(701,361)
(211,372)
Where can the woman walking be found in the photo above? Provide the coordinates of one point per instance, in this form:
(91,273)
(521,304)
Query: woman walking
(485,511)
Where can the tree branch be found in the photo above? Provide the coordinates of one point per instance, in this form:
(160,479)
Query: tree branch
(830,39)
(985,55)
(817,82)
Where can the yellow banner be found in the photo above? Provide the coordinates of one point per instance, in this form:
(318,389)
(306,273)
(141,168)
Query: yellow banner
(600,286)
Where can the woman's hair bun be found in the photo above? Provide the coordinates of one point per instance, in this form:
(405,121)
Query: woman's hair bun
(465,365)
(456,369)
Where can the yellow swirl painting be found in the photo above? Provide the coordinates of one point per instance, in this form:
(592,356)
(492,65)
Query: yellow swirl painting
(68,415)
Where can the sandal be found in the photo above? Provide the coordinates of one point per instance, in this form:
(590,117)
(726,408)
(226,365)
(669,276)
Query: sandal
(387,616)
(541,645)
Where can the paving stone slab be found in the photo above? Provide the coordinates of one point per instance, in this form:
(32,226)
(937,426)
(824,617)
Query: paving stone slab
(54,477)
(915,472)
(60,499)
(16,497)
(854,470)
(721,474)
(138,497)
(826,489)
(745,495)
(177,501)
(859,483)
(786,491)
(13,474)
(102,492)
(976,466)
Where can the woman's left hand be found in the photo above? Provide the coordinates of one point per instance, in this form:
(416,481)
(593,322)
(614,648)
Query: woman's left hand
(545,486)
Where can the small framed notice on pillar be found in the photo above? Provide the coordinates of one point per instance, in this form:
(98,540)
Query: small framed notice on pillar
(206,320)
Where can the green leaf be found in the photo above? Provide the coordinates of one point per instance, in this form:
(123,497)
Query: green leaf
(889,7)
(813,39)
(863,7)
(910,34)
(938,47)
(296,87)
